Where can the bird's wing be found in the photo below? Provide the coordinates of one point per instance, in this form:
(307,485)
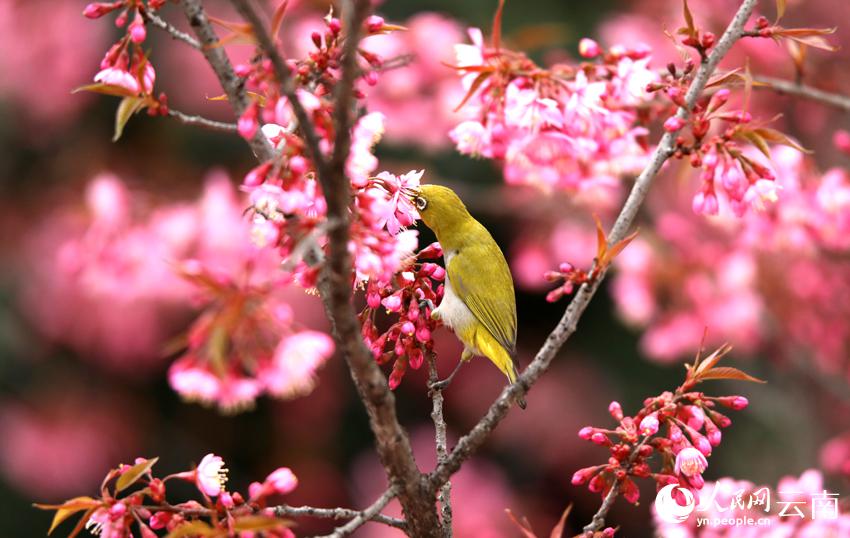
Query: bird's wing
(490,295)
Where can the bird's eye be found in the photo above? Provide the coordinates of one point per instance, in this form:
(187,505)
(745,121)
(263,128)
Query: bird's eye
(421,203)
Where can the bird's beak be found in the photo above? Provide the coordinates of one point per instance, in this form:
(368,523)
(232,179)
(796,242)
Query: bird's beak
(410,194)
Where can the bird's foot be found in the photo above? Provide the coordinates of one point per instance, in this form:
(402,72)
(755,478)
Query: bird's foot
(439,386)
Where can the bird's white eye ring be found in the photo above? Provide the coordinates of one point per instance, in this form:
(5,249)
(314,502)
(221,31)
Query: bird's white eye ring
(421,203)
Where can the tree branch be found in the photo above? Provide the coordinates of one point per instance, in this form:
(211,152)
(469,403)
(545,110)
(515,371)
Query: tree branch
(393,443)
(233,86)
(370,513)
(162,24)
(201,121)
(469,443)
(287,87)
(841,102)
(445,492)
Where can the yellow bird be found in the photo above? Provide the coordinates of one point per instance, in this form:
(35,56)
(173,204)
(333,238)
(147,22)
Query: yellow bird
(478,303)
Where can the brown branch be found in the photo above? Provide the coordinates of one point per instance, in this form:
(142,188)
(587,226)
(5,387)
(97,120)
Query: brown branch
(445,493)
(287,86)
(372,513)
(393,443)
(200,121)
(357,517)
(162,24)
(233,86)
(787,87)
(469,443)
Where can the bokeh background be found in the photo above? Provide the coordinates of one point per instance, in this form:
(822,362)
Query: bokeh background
(84,339)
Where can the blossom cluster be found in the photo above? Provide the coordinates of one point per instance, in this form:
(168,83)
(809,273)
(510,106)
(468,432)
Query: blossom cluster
(125,69)
(681,428)
(132,497)
(572,127)
(412,296)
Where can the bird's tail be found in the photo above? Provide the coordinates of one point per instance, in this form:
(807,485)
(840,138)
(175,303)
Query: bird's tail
(499,356)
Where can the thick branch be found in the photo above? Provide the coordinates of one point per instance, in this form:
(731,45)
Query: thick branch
(371,513)
(469,443)
(233,86)
(445,493)
(841,102)
(162,24)
(393,443)
(201,121)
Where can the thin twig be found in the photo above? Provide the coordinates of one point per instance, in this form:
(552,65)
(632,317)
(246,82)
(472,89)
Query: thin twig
(341,513)
(200,121)
(233,86)
(445,494)
(598,520)
(162,24)
(469,443)
(841,102)
(364,516)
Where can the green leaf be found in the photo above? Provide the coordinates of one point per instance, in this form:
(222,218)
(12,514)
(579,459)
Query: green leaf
(259,523)
(193,528)
(67,509)
(132,475)
(126,108)
(727,372)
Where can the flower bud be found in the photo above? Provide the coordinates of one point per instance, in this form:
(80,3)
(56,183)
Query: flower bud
(95,10)
(673,124)
(589,48)
(586,432)
(616,410)
(374,24)
(138,33)
(601,439)
(649,424)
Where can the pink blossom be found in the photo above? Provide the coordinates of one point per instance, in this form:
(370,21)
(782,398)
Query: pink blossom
(690,462)
(116,76)
(211,475)
(399,212)
(282,481)
(296,360)
(589,48)
(361,162)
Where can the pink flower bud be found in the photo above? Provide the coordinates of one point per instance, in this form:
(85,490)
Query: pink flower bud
(615,410)
(392,303)
(589,48)
(600,438)
(334,25)
(608,532)
(248,124)
(159,520)
(95,10)
(226,500)
(117,510)
(841,140)
(416,358)
(735,402)
(675,434)
(374,24)
(373,300)
(408,328)
(597,484)
(586,432)
(298,164)
(673,124)
(630,491)
(257,175)
(690,462)
(649,424)
(423,334)
(137,29)
(582,475)
(282,481)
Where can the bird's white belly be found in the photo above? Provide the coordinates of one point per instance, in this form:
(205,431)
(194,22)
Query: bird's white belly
(452,310)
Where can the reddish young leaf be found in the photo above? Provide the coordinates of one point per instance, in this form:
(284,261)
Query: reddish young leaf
(727,372)
(132,475)
(524,526)
(558,530)
(479,80)
(67,509)
(497,25)
(710,361)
